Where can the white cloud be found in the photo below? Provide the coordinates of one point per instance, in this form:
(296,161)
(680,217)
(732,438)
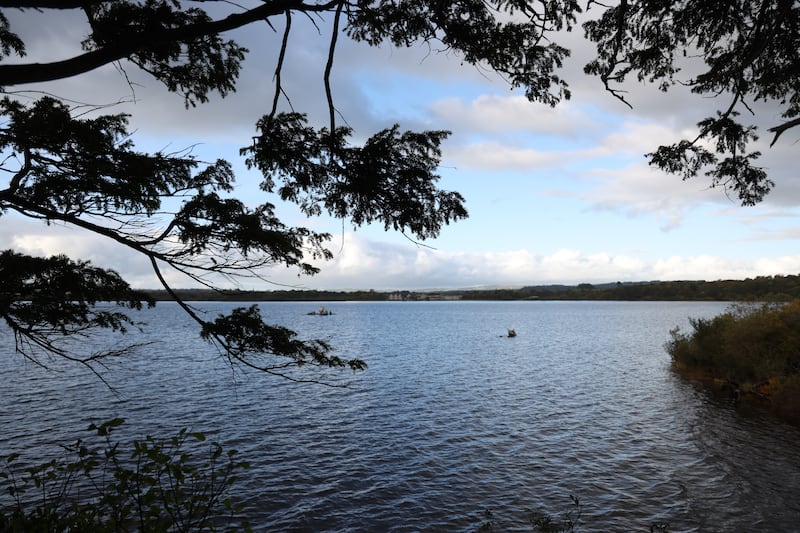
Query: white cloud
(509,114)
(782,234)
(362,264)
(638,190)
(711,268)
(498,157)
(636,138)
(567,265)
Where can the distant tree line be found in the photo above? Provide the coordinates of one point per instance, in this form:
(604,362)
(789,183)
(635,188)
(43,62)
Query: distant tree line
(761,289)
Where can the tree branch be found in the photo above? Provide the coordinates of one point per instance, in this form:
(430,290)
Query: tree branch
(329,67)
(17,74)
(27,207)
(779,129)
(49,4)
(21,174)
(279,66)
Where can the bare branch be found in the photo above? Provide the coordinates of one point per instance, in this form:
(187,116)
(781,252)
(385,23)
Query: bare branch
(279,66)
(779,129)
(329,67)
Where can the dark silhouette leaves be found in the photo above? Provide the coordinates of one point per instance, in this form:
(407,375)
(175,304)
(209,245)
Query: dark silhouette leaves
(390,179)
(193,65)
(244,332)
(48,300)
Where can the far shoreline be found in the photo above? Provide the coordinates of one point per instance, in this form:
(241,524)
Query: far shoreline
(760,289)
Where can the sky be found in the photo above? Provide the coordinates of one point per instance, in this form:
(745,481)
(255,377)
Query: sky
(555,195)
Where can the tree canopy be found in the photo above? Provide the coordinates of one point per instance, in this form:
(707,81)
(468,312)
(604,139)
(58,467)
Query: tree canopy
(65,164)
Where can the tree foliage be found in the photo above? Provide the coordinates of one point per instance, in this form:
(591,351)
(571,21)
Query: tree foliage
(743,51)
(753,350)
(181,483)
(64,164)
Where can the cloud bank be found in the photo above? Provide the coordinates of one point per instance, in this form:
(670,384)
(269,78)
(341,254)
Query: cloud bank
(361,263)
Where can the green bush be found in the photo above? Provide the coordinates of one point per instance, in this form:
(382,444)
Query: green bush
(178,484)
(754,348)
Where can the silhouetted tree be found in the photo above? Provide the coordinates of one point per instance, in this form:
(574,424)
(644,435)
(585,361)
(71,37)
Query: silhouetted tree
(743,51)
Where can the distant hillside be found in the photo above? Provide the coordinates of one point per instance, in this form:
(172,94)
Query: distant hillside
(764,288)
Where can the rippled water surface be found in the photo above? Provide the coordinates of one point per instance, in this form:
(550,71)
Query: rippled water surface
(450,419)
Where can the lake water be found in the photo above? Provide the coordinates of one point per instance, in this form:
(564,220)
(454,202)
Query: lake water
(450,419)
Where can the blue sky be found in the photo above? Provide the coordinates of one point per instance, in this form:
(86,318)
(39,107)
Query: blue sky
(555,195)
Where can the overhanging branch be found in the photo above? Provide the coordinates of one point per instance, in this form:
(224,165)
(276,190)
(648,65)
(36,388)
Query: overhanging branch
(49,4)
(18,74)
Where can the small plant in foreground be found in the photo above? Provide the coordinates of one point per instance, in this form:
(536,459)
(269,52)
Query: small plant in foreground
(545,523)
(177,484)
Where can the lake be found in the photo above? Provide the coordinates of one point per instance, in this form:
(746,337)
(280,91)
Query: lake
(450,419)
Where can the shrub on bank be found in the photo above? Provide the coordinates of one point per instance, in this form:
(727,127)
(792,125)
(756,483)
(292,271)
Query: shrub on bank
(178,484)
(753,349)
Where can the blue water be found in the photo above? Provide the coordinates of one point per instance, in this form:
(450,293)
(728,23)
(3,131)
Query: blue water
(450,419)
